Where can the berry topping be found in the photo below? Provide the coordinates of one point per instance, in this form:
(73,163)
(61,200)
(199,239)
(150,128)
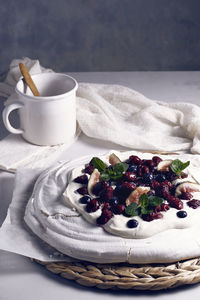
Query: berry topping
(130,176)
(106,205)
(148,162)
(171,176)
(99,186)
(156,160)
(105,217)
(175,202)
(186,196)
(85,199)
(148,178)
(113,200)
(106,194)
(89,169)
(82,190)
(152,216)
(181,214)
(155,184)
(92,206)
(135,160)
(193,203)
(164,207)
(83,179)
(143,170)
(118,209)
(132,168)
(132,223)
(128,186)
(160,178)
(184,175)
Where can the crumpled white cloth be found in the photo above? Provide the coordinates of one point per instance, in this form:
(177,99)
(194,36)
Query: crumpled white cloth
(121,115)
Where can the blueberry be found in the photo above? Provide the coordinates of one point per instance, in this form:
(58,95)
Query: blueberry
(181,214)
(85,199)
(132,168)
(160,178)
(148,178)
(132,223)
(113,201)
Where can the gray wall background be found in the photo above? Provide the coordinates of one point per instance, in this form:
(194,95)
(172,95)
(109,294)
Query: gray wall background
(102,35)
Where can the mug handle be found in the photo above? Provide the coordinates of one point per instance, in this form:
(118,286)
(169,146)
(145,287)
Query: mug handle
(5,114)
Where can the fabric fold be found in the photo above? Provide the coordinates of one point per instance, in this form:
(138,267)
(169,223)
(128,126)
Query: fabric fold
(125,117)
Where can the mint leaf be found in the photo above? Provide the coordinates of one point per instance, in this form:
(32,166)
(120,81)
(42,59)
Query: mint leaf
(132,209)
(105,176)
(154,201)
(148,203)
(177,166)
(120,167)
(116,176)
(99,164)
(143,200)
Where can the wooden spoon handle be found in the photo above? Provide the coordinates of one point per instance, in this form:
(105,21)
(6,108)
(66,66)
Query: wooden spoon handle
(29,80)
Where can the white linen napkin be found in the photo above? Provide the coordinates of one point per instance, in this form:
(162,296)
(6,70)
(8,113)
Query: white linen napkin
(121,115)
(16,152)
(15,236)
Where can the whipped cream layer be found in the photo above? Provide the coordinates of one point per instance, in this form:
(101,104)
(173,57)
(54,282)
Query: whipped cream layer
(56,216)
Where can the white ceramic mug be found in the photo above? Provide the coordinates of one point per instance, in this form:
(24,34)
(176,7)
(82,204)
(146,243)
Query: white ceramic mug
(49,119)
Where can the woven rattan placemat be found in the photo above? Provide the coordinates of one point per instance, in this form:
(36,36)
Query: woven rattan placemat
(125,276)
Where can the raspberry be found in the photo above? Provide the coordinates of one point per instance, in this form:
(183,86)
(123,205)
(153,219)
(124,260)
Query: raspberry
(128,186)
(175,202)
(82,190)
(157,209)
(106,205)
(92,206)
(89,170)
(193,203)
(155,184)
(105,217)
(184,175)
(152,216)
(164,207)
(106,193)
(135,160)
(186,196)
(156,160)
(166,183)
(148,162)
(143,170)
(118,209)
(171,176)
(81,179)
(130,176)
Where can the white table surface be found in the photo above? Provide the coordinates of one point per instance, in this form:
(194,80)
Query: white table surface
(22,279)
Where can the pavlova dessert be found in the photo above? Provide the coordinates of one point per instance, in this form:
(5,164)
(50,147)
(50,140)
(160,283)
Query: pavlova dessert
(120,207)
